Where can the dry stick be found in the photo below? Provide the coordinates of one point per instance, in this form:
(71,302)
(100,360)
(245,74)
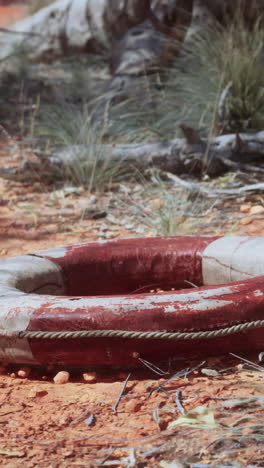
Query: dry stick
(214,193)
(256,366)
(178,398)
(121,394)
(153,367)
(182,373)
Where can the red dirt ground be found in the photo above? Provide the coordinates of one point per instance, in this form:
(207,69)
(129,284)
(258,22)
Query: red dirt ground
(11,13)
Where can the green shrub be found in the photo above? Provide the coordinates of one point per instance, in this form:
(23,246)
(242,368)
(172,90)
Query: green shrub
(215,84)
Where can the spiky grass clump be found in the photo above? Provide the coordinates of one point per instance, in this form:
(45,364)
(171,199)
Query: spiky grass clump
(227,58)
(169,211)
(71,127)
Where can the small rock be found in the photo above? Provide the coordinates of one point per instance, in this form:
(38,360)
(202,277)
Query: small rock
(133,406)
(137,188)
(157,204)
(210,372)
(62,377)
(245,208)
(257,209)
(140,230)
(13,375)
(90,377)
(150,234)
(254,229)
(37,393)
(246,221)
(24,372)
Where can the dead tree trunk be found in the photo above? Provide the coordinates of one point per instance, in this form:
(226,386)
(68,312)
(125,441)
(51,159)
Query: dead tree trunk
(191,155)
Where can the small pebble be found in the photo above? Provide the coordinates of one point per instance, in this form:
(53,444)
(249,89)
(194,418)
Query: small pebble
(157,204)
(62,377)
(254,229)
(90,377)
(257,209)
(246,221)
(245,208)
(24,372)
(37,393)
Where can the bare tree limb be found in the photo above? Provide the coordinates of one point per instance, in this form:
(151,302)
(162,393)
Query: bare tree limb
(207,192)
(177,156)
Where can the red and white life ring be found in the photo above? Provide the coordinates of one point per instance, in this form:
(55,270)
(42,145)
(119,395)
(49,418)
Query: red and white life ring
(90,304)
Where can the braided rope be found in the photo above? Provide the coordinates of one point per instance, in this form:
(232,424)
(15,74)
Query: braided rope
(139,335)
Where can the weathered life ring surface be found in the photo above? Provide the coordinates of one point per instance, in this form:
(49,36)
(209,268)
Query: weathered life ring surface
(103,289)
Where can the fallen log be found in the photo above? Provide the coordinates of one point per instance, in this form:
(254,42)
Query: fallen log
(191,155)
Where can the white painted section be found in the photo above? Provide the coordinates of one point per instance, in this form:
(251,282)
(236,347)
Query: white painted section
(29,273)
(194,300)
(233,258)
(57,252)
(20,275)
(14,349)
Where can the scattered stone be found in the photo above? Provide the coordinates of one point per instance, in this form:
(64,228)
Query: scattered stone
(37,393)
(13,375)
(210,372)
(90,377)
(24,372)
(61,377)
(246,221)
(257,209)
(245,208)
(254,229)
(157,204)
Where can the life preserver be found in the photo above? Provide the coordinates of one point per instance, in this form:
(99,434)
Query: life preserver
(91,304)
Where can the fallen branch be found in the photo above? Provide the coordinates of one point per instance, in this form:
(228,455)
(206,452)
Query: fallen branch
(200,189)
(222,154)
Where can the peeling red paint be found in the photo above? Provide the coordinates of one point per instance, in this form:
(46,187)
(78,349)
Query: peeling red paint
(124,266)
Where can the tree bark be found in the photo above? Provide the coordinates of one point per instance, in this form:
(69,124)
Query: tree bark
(74,25)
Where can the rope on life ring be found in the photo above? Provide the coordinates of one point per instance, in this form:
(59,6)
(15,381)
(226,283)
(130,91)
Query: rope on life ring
(109,303)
